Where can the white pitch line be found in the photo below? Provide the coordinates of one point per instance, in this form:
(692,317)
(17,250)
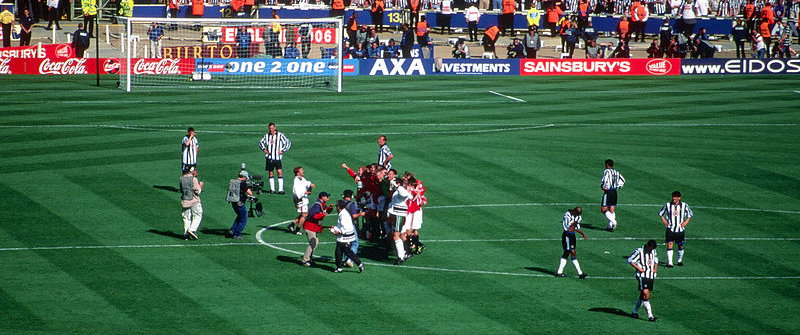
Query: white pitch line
(515,274)
(507,96)
(590,204)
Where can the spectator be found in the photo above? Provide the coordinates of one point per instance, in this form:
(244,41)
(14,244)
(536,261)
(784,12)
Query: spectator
(589,33)
(53,14)
(291,51)
(595,50)
(490,37)
(767,14)
(26,25)
(688,18)
(639,16)
(783,46)
(779,10)
(739,35)
(80,41)
(460,50)
(515,49)
(622,50)
(243,43)
(531,41)
(702,7)
(358,52)
(472,16)
(372,37)
(583,14)
(565,24)
(305,38)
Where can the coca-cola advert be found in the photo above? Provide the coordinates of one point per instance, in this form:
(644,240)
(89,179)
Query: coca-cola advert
(73,66)
(61,50)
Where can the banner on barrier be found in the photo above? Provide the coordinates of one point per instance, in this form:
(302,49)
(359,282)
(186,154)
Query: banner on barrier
(61,50)
(476,66)
(627,66)
(73,66)
(296,67)
(396,67)
(739,66)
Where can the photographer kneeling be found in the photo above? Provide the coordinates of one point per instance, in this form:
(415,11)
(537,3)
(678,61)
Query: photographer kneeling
(238,193)
(515,49)
(460,50)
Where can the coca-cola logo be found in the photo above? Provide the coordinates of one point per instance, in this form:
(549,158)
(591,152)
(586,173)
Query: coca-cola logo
(111,66)
(63,51)
(658,66)
(4,67)
(161,66)
(68,66)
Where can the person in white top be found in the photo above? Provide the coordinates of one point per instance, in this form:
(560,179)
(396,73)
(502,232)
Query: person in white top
(398,209)
(472,15)
(702,7)
(443,19)
(345,233)
(300,190)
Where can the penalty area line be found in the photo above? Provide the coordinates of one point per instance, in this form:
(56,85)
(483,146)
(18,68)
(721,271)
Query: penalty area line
(507,96)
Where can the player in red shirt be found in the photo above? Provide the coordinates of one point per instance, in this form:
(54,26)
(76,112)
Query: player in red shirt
(414,217)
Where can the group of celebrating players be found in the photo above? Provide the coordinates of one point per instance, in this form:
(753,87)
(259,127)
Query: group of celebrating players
(388,205)
(674,215)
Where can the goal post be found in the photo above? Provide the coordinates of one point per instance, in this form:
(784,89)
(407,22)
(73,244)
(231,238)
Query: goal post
(231,53)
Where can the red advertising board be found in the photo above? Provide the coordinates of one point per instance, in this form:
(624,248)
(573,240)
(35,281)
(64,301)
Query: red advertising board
(70,66)
(62,50)
(318,35)
(611,66)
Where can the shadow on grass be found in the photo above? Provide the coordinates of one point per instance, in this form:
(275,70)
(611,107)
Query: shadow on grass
(609,310)
(542,270)
(319,262)
(218,232)
(167,188)
(167,233)
(592,227)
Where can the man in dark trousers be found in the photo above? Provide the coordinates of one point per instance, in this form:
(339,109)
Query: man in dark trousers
(407,42)
(7,20)
(80,41)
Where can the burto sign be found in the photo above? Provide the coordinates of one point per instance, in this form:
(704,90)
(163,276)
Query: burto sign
(630,66)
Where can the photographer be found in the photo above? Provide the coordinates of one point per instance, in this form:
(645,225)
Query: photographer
(460,50)
(237,196)
(515,49)
(312,225)
(190,202)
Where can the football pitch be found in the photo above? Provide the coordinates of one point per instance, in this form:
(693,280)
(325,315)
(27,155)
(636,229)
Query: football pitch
(91,233)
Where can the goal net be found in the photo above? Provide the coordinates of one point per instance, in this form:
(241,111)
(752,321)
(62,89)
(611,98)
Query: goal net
(230,53)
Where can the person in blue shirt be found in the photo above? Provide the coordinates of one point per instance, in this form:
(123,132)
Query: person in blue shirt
(155,33)
(358,52)
(291,51)
(391,50)
(243,43)
(375,50)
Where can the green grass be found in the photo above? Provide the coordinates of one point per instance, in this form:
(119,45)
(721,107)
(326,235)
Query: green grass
(88,221)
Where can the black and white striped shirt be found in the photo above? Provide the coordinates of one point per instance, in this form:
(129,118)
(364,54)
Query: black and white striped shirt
(675,215)
(569,219)
(275,143)
(189,151)
(645,261)
(383,154)
(611,180)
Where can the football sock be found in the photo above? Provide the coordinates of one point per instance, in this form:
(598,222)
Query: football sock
(613,218)
(680,255)
(561,265)
(577,266)
(636,307)
(401,252)
(271,183)
(647,308)
(280,184)
(669,256)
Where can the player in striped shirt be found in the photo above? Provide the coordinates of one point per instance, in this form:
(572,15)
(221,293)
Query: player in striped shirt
(384,153)
(274,144)
(189,150)
(611,181)
(571,223)
(675,215)
(645,261)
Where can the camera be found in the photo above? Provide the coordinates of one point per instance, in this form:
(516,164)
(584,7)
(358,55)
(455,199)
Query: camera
(364,200)
(254,182)
(256,208)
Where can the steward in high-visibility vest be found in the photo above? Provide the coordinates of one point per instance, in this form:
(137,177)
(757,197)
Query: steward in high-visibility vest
(534,17)
(89,15)
(198,8)
(126,8)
